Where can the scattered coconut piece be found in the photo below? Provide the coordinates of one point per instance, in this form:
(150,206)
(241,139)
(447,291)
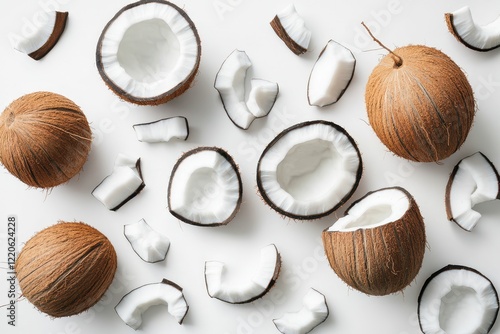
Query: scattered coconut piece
(205,187)
(378,246)
(150,245)
(254,288)
(309,170)
(163,130)
(457,299)
(123,184)
(331,75)
(313,313)
(291,28)
(474,180)
(263,95)
(135,303)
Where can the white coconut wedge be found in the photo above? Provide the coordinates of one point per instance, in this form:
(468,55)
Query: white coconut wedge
(263,95)
(41,41)
(150,245)
(457,299)
(252,289)
(309,170)
(331,75)
(205,187)
(474,180)
(135,303)
(476,37)
(291,28)
(163,130)
(149,53)
(313,313)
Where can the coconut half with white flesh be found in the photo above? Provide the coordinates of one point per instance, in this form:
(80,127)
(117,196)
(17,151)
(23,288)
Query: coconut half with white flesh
(135,303)
(150,245)
(378,246)
(474,180)
(263,95)
(149,53)
(253,288)
(313,313)
(163,130)
(457,299)
(331,75)
(477,37)
(291,28)
(309,170)
(205,187)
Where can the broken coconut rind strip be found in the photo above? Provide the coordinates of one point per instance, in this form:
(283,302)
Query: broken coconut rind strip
(331,75)
(257,286)
(205,187)
(313,313)
(291,28)
(474,180)
(262,97)
(163,130)
(466,31)
(457,299)
(378,246)
(132,306)
(309,170)
(150,245)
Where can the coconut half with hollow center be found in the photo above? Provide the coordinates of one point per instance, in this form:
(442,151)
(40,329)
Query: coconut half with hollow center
(309,170)
(291,28)
(378,246)
(149,53)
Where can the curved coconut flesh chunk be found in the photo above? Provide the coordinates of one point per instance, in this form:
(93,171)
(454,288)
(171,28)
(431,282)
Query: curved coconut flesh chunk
(313,313)
(457,299)
(254,288)
(474,36)
(162,130)
(135,303)
(150,245)
(309,170)
(291,28)
(474,180)
(331,75)
(205,187)
(263,95)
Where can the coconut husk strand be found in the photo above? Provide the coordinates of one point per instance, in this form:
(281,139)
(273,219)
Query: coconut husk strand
(45,139)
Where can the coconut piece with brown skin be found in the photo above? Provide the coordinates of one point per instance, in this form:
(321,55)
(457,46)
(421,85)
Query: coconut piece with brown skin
(291,29)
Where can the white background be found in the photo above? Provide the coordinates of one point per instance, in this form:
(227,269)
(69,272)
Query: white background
(69,69)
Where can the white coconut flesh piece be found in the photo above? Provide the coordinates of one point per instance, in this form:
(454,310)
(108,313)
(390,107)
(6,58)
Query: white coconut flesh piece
(263,95)
(123,184)
(134,304)
(477,37)
(313,313)
(163,130)
(309,170)
(249,290)
(148,244)
(457,300)
(205,187)
(291,28)
(331,75)
(474,180)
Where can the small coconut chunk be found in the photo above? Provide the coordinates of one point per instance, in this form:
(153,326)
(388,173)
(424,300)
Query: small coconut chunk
(150,245)
(163,130)
(263,95)
(291,28)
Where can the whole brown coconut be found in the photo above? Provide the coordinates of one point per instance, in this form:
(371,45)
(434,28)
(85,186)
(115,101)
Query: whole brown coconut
(65,269)
(45,139)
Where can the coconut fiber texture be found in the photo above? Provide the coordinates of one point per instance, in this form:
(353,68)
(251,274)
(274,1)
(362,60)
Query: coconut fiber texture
(66,268)
(45,139)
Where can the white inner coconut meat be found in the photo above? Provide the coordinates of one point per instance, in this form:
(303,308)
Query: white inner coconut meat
(38,37)
(263,95)
(293,26)
(150,245)
(162,130)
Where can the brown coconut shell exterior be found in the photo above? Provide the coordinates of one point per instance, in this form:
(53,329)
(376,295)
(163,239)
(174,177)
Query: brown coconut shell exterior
(381,260)
(65,269)
(60,25)
(422,110)
(283,35)
(45,139)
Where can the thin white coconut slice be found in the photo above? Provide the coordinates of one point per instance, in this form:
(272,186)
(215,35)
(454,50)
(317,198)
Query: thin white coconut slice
(474,180)
(135,303)
(150,245)
(163,130)
(331,75)
(205,187)
(313,313)
(309,170)
(254,288)
(466,31)
(457,299)
(263,95)
(291,28)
